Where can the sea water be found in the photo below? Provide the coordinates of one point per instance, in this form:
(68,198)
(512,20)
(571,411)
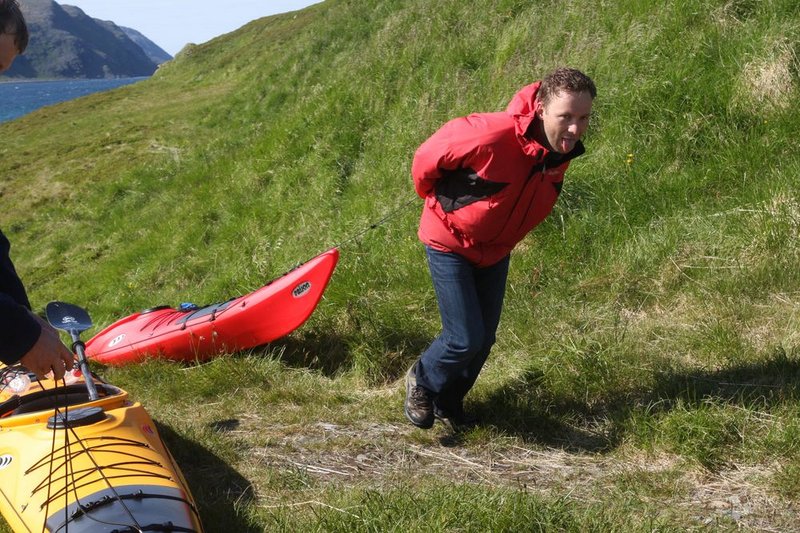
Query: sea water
(19,98)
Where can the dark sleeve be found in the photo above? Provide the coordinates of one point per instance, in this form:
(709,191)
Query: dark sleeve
(19,331)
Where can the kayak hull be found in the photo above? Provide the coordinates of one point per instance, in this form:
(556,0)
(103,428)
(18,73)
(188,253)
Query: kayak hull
(68,464)
(197,334)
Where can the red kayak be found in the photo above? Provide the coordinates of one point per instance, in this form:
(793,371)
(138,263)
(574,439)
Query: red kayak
(196,333)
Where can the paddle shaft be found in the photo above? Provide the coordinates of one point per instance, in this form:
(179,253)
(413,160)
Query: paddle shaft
(78,347)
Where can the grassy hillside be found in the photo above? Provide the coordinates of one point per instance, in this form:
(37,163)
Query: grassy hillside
(647,365)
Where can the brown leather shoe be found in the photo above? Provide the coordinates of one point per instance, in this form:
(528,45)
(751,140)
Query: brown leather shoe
(419,401)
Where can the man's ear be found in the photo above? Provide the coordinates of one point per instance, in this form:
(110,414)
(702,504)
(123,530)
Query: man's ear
(538,108)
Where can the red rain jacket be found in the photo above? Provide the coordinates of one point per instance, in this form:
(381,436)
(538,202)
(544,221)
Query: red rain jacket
(486,182)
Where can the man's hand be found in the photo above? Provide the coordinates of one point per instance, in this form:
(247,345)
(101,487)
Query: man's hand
(49,353)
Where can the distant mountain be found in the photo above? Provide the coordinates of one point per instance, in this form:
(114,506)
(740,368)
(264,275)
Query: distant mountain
(156,54)
(67,43)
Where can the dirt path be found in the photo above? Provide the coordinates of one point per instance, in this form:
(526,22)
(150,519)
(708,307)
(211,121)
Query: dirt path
(375,455)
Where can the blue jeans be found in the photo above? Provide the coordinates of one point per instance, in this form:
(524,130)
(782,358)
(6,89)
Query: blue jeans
(470,302)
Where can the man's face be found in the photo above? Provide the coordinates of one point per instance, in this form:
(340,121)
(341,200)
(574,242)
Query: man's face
(565,119)
(8,51)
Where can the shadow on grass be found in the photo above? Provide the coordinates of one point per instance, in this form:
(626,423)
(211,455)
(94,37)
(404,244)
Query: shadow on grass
(219,491)
(321,352)
(331,355)
(768,383)
(525,410)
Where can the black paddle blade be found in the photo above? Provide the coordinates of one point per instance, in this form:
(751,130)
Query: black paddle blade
(68,317)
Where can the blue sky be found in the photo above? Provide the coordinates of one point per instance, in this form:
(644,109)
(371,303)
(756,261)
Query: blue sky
(173,23)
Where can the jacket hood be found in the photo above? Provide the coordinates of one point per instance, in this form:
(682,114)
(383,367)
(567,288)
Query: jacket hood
(522,109)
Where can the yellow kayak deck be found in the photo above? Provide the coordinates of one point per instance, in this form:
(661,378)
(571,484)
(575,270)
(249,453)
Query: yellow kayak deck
(68,464)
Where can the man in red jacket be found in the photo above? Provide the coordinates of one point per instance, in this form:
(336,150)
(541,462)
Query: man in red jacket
(487,180)
(24,337)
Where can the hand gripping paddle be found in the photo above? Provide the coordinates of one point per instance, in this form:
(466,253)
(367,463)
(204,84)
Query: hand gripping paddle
(74,320)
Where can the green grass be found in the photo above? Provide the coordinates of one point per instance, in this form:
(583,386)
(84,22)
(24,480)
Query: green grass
(651,319)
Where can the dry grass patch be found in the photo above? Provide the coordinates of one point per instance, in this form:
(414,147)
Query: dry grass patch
(301,462)
(768,84)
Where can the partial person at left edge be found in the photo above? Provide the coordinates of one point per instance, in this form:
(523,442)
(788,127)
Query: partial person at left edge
(25,338)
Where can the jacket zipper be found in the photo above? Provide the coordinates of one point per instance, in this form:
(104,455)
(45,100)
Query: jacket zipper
(533,196)
(516,204)
(575,153)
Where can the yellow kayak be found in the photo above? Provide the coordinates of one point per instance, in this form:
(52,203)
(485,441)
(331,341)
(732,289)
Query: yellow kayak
(68,464)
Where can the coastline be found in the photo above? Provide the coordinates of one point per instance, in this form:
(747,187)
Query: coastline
(6,80)
(23,96)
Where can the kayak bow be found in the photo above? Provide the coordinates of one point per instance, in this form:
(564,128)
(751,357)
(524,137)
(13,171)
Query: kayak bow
(193,333)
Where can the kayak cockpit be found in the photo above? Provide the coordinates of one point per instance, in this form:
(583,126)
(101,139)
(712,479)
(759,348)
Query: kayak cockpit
(57,398)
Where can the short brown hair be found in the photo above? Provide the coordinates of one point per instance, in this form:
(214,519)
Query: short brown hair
(12,22)
(565,79)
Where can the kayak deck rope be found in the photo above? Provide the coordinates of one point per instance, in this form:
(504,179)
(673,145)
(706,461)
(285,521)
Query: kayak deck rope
(134,526)
(85,509)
